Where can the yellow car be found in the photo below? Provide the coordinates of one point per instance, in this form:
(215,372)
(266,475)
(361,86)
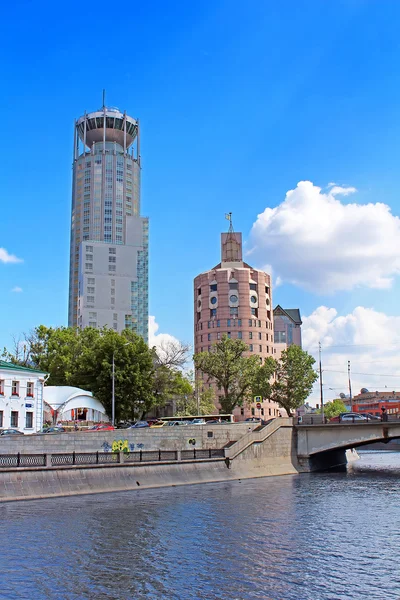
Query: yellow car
(157,424)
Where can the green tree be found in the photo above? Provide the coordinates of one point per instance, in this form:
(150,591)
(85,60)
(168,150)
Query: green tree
(333,408)
(233,373)
(83,358)
(262,383)
(189,404)
(294,378)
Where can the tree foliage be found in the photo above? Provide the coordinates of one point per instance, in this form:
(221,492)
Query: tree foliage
(83,358)
(262,383)
(294,378)
(230,370)
(333,408)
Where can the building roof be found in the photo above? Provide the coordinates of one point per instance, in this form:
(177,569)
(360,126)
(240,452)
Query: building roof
(292,313)
(65,397)
(11,367)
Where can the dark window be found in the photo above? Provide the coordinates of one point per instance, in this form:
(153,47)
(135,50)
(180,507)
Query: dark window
(233,286)
(250,335)
(239,322)
(1,418)
(253,286)
(213,312)
(239,335)
(228,323)
(229,334)
(233,311)
(213,287)
(259,335)
(259,323)
(262,412)
(199,291)
(14,418)
(209,324)
(29,420)
(260,348)
(250,322)
(242,411)
(210,434)
(266,289)
(209,337)
(218,323)
(253,412)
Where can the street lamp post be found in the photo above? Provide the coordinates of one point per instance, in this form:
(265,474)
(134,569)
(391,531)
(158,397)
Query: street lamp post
(113,386)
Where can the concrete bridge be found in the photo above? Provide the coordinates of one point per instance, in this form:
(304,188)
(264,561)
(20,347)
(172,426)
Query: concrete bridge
(324,445)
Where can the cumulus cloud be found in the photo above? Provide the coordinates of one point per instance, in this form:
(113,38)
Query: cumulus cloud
(17,289)
(322,244)
(368,338)
(158,339)
(5,257)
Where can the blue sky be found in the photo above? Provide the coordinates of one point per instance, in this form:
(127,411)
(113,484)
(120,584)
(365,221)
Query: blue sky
(238,103)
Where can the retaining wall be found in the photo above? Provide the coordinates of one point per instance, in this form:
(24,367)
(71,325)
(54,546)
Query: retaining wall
(165,438)
(274,456)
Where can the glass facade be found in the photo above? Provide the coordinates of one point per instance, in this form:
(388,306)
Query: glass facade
(105,202)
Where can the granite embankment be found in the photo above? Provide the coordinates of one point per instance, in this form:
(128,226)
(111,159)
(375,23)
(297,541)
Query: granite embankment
(259,453)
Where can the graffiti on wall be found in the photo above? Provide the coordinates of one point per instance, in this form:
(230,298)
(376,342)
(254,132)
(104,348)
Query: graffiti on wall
(121,445)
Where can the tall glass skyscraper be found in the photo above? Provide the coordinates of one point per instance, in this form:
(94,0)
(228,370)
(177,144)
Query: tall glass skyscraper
(108,282)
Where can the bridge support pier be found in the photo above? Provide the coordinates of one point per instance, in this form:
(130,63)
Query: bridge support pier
(323,461)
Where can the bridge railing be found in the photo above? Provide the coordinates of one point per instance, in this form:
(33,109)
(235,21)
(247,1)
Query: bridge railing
(352,419)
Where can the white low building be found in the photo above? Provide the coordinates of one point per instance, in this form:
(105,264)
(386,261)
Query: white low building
(21,397)
(73,404)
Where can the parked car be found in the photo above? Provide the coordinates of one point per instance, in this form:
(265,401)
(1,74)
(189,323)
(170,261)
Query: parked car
(102,427)
(11,432)
(348,417)
(53,430)
(139,424)
(253,420)
(198,422)
(371,417)
(156,424)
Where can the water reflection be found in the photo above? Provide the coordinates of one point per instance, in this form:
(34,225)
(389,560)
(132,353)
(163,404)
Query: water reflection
(317,536)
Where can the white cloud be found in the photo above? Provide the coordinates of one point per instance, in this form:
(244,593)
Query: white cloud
(324,245)
(157,339)
(17,289)
(368,338)
(5,257)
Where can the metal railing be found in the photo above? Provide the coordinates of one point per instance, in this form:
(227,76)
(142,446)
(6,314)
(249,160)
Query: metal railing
(102,458)
(22,460)
(345,419)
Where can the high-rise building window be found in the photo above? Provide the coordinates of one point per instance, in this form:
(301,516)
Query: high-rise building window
(239,335)
(213,312)
(250,322)
(112,251)
(260,348)
(229,334)
(228,323)
(233,311)
(251,347)
(239,322)
(213,287)
(89,248)
(218,335)
(250,335)
(209,324)
(209,337)
(218,323)
(253,286)
(259,335)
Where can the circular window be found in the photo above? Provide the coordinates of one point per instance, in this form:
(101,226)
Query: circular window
(213,300)
(253,299)
(198,302)
(233,298)
(267,301)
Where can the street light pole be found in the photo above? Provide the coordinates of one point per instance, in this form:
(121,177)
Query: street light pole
(320,383)
(113,391)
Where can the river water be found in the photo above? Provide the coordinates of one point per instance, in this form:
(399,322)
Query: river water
(313,536)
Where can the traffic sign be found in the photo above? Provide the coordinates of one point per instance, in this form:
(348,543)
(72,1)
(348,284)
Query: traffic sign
(258,404)
(257,398)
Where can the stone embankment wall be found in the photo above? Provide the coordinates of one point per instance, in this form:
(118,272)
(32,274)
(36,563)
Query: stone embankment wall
(257,454)
(146,438)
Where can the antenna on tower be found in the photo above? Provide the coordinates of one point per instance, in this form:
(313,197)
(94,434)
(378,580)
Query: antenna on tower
(104,98)
(229,217)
